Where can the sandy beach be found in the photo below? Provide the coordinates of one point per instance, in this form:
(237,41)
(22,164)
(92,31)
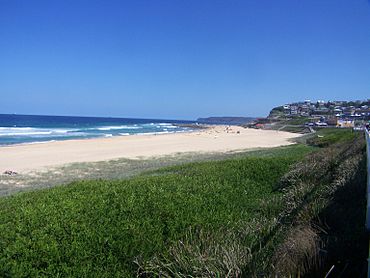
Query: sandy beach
(23,158)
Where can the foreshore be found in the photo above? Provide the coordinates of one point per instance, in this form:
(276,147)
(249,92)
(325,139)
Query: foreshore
(35,157)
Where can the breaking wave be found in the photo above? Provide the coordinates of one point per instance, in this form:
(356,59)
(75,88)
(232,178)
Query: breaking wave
(32,134)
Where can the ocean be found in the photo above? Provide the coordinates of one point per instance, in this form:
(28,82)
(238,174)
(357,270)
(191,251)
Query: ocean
(28,129)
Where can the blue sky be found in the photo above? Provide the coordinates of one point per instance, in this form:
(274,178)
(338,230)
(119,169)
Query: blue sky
(180,59)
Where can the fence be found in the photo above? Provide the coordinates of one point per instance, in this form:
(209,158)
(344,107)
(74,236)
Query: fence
(367,134)
(368,179)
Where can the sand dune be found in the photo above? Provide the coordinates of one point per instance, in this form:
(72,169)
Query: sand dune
(23,158)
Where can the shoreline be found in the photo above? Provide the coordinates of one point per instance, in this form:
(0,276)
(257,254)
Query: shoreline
(97,138)
(23,158)
(191,128)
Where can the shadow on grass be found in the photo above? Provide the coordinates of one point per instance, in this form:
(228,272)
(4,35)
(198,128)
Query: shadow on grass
(345,237)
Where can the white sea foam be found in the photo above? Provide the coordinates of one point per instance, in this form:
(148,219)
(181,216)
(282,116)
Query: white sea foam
(26,133)
(167,125)
(154,133)
(105,128)
(12,130)
(55,130)
(37,134)
(16,128)
(30,131)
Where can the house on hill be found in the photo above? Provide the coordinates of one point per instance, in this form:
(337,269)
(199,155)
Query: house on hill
(345,123)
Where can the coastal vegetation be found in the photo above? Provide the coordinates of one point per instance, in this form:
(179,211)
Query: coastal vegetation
(288,211)
(116,169)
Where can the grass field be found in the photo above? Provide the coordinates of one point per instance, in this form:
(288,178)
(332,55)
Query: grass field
(224,218)
(100,228)
(328,136)
(117,169)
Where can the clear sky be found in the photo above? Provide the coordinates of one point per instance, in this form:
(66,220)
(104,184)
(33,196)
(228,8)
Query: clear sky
(180,59)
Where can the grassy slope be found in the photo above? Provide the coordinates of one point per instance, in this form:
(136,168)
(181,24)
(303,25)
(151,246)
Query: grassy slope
(325,209)
(99,228)
(117,169)
(204,219)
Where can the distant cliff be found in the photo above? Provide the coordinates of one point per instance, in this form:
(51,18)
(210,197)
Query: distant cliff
(226,120)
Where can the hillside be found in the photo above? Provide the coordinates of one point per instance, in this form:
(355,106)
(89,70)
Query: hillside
(358,109)
(225,120)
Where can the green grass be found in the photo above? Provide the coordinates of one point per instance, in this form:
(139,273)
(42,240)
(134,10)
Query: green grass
(325,210)
(329,136)
(117,169)
(294,129)
(297,121)
(103,228)
(230,216)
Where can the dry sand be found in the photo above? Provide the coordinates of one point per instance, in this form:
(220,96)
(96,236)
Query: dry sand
(24,158)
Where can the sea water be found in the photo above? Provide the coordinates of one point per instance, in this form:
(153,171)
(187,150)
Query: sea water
(21,129)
